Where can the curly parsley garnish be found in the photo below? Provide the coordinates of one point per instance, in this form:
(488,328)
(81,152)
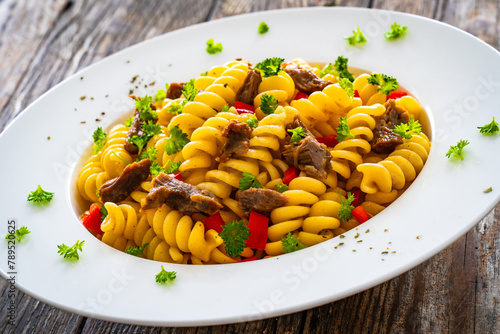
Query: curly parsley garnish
(341,69)
(156,169)
(165,276)
(270,66)
(268,104)
(143,105)
(252,121)
(150,130)
(356,38)
(162,94)
(263,28)
(297,134)
(387,84)
(347,85)
(327,69)
(406,129)
(345,211)
(213,48)
(18,234)
(235,235)
(176,141)
(225,108)
(100,137)
(71,252)
(490,128)
(458,149)
(136,251)
(247,181)
(281,187)
(150,154)
(291,244)
(189,91)
(175,108)
(40,195)
(397,31)
(129,121)
(343,130)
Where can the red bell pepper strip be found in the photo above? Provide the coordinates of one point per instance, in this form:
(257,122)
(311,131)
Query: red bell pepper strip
(291,173)
(356,93)
(357,193)
(257,225)
(92,219)
(243,108)
(301,95)
(176,175)
(360,214)
(214,222)
(396,94)
(329,141)
(248,259)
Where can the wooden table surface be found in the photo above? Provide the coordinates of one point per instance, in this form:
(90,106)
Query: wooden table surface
(44,42)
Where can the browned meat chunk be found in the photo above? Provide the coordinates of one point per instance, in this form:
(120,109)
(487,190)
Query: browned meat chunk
(174,91)
(384,140)
(308,154)
(261,200)
(135,130)
(238,139)
(180,196)
(305,80)
(119,188)
(248,91)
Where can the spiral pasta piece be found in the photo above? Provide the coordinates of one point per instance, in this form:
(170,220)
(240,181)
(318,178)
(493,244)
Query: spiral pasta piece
(400,167)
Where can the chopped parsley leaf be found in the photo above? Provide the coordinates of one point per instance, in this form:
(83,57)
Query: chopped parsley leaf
(406,129)
(458,149)
(40,195)
(136,251)
(270,66)
(356,38)
(490,128)
(129,121)
(268,104)
(235,235)
(156,169)
(189,91)
(248,181)
(387,84)
(213,48)
(150,154)
(281,187)
(343,130)
(165,276)
(327,69)
(397,31)
(162,94)
(18,234)
(291,244)
(263,28)
(100,137)
(252,121)
(71,252)
(143,105)
(345,211)
(176,141)
(341,69)
(347,85)
(297,134)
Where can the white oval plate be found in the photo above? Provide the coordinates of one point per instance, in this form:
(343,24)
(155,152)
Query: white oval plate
(454,75)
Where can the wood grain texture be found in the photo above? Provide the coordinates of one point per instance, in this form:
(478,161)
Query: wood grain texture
(43,42)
